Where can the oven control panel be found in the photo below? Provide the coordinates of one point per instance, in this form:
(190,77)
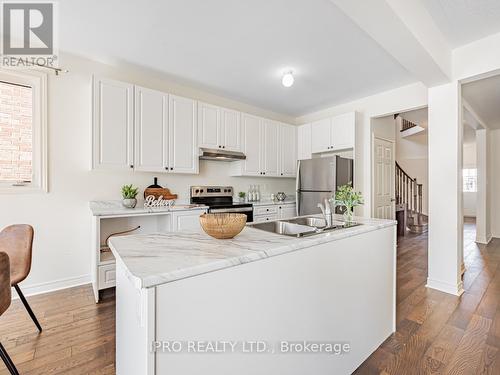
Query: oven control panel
(211,191)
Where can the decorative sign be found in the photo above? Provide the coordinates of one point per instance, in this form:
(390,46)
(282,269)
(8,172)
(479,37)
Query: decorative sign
(152,202)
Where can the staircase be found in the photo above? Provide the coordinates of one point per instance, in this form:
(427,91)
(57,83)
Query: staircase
(409,202)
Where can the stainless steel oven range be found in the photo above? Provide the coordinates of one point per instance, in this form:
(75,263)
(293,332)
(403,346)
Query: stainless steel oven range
(219,199)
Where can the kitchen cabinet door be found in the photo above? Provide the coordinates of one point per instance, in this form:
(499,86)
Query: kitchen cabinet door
(287,211)
(252,143)
(231,129)
(183,145)
(151,130)
(343,128)
(321,135)
(288,151)
(209,126)
(270,153)
(186,220)
(112,138)
(304,142)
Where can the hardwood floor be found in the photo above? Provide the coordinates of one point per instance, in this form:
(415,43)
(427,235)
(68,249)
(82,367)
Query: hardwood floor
(436,333)
(78,336)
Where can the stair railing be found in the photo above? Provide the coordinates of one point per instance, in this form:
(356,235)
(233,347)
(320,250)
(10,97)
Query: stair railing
(408,192)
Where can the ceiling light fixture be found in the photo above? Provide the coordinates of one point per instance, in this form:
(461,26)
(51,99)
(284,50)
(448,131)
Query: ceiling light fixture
(287,79)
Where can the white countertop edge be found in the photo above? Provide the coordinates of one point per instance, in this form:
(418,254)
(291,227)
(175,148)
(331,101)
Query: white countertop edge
(302,243)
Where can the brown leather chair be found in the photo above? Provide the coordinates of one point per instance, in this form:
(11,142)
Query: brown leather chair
(17,242)
(5,298)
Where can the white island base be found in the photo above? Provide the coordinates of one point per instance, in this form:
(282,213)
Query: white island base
(342,291)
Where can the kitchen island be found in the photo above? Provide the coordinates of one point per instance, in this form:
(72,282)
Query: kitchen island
(261,303)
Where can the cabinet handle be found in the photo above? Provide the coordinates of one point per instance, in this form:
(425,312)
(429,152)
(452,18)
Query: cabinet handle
(223,146)
(219,147)
(131,166)
(171,168)
(166,168)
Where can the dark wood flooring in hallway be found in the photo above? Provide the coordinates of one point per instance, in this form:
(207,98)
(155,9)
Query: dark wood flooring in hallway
(438,333)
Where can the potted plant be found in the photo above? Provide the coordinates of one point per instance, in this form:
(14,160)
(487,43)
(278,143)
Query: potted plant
(129,193)
(242,196)
(347,198)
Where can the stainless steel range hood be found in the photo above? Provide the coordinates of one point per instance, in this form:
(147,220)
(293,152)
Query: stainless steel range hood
(220,155)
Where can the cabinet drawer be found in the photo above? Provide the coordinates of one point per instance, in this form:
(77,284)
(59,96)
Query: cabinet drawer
(265,210)
(260,219)
(107,276)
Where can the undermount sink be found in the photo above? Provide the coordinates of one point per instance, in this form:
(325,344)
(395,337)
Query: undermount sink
(301,226)
(285,228)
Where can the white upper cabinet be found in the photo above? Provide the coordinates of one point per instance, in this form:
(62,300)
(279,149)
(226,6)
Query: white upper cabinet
(112,124)
(304,142)
(230,129)
(270,155)
(288,150)
(333,134)
(252,146)
(270,148)
(209,126)
(321,135)
(343,131)
(218,128)
(151,130)
(183,138)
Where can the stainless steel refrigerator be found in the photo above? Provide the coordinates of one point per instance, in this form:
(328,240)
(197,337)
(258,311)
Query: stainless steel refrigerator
(318,179)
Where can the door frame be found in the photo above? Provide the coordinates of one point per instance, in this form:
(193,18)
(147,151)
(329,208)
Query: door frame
(393,171)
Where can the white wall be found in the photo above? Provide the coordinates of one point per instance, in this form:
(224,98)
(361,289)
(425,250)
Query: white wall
(469,162)
(61,218)
(403,99)
(445,189)
(495,182)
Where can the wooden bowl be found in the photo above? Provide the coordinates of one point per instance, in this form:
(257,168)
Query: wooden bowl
(223,226)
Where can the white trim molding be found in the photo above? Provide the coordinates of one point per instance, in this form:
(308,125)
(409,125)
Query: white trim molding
(443,286)
(37,80)
(52,286)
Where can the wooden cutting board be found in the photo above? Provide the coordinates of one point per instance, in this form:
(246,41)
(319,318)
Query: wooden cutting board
(157,192)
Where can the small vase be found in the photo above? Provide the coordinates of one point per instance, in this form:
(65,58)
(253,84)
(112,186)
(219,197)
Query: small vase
(348,216)
(129,203)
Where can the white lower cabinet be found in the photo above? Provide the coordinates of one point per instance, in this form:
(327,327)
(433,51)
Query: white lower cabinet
(287,211)
(273,212)
(186,220)
(103,269)
(107,276)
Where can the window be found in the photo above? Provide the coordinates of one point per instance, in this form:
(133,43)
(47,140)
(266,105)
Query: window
(22,131)
(470,180)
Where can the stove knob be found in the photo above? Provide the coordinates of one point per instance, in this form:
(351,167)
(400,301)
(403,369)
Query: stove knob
(197,191)
(201,191)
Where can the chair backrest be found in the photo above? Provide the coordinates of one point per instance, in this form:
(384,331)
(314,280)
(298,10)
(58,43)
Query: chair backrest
(5,292)
(17,241)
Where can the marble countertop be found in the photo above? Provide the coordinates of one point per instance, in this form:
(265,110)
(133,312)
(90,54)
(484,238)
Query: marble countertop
(154,259)
(112,208)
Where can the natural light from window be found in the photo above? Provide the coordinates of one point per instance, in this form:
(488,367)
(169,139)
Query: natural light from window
(470,180)
(16,133)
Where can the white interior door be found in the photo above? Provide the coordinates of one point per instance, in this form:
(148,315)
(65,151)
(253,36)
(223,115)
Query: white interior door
(383,175)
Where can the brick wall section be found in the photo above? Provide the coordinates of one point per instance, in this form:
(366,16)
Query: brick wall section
(16,136)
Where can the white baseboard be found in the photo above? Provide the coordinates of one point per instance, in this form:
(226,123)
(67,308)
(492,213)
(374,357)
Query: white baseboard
(484,240)
(455,289)
(495,235)
(52,286)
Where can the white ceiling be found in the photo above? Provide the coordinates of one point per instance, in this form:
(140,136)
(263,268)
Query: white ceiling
(463,21)
(238,48)
(484,98)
